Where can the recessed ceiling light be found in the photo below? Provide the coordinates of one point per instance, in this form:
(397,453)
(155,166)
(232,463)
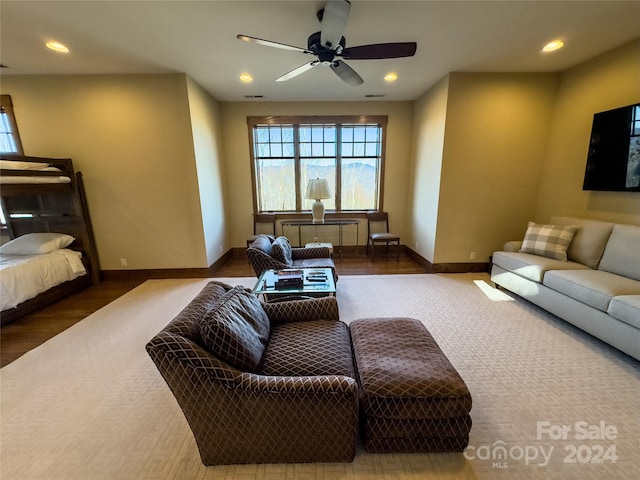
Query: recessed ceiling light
(57,47)
(391,77)
(553,46)
(246,78)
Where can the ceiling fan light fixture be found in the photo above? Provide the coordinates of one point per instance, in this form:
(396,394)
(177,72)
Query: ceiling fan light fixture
(246,78)
(329,46)
(391,77)
(553,46)
(57,46)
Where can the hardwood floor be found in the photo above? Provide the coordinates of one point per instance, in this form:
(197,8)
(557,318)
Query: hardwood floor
(25,334)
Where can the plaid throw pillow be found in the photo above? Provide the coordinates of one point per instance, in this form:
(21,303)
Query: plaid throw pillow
(548,240)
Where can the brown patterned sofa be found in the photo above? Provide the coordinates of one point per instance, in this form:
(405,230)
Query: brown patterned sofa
(265,254)
(261,383)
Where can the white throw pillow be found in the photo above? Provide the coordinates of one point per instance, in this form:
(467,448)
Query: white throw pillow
(550,241)
(36,243)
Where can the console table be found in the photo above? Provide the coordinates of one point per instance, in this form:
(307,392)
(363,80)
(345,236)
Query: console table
(339,222)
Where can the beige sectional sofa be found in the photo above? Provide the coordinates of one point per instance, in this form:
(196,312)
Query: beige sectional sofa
(597,288)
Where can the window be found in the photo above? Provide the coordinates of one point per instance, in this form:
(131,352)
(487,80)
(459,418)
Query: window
(288,151)
(9,137)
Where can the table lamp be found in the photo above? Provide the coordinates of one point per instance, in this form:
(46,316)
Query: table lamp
(318,189)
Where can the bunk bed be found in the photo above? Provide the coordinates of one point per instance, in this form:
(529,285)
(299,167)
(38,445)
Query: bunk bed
(44,195)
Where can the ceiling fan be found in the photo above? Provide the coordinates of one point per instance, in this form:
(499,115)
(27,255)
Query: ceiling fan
(329,46)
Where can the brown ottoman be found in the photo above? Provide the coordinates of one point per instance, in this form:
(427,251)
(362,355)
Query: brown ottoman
(412,399)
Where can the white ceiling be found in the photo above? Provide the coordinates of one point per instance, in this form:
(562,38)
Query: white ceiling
(199,38)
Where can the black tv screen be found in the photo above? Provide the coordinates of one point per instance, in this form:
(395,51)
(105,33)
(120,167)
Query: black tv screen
(613,162)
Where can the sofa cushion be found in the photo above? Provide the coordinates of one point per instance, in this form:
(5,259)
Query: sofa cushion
(236,329)
(595,288)
(626,308)
(550,241)
(589,240)
(263,242)
(308,348)
(622,253)
(530,266)
(281,250)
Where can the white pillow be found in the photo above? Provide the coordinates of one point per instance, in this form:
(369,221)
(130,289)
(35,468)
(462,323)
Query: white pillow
(36,243)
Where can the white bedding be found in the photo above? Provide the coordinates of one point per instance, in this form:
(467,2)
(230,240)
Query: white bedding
(33,167)
(13,179)
(24,276)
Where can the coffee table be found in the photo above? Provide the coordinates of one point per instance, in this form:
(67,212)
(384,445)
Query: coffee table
(324,286)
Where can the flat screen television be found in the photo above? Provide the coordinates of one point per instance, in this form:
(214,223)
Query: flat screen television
(613,161)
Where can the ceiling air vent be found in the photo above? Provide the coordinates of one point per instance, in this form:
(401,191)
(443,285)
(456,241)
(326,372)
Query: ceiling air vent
(253,96)
(374,95)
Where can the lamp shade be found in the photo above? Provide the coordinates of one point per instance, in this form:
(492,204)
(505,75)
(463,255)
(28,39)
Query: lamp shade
(318,188)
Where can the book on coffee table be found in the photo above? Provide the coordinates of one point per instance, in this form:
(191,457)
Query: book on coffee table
(288,279)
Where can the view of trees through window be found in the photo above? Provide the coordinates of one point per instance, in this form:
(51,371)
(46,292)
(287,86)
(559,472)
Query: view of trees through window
(348,152)
(9,137)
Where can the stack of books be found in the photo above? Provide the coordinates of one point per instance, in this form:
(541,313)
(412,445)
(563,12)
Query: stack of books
(289,279)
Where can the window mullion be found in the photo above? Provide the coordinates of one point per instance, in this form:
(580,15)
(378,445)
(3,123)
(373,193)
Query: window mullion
(338,167)
(297,167)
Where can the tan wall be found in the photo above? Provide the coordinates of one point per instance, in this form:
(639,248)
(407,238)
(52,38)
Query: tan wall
(515,149)
(207,140)
(468,164)
(130,135)
(494,142)
(608,81)
(429,120)
(238,169)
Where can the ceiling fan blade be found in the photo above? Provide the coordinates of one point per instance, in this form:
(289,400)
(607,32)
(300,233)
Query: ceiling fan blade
(269,43)
(297,71)
(346,73)
(334,19)
(380,50)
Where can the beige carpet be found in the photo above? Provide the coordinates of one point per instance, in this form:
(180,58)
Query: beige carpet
(89,403)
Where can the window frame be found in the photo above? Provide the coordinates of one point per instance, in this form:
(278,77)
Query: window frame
(6,107)
(337,120)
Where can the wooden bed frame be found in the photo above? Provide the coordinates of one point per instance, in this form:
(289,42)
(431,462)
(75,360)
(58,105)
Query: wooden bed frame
(58,207)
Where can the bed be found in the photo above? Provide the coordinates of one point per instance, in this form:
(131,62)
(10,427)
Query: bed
(42,197)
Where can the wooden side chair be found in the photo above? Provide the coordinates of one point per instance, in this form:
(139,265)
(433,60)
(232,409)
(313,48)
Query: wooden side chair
(263,218)
(378,232)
